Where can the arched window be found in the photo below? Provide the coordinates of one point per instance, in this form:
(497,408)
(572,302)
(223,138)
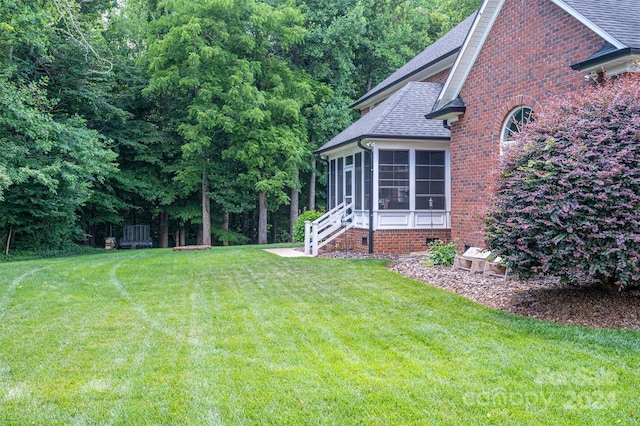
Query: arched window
(516,118)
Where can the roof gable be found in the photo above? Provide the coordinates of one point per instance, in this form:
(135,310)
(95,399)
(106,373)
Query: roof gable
(478,34)
(607,18)
(401,116)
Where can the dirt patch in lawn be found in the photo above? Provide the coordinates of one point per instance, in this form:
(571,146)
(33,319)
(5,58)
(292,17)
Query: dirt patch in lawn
(545,298)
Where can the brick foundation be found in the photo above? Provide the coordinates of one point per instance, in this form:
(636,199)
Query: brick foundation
(400,241)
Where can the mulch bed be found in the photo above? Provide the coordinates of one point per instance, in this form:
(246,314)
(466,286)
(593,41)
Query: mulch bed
(542,298)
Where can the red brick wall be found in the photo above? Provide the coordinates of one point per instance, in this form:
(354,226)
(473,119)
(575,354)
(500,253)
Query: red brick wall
(440,77)
(525,60)
(389,241)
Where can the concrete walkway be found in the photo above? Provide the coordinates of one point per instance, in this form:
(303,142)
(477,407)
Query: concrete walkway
(287,252)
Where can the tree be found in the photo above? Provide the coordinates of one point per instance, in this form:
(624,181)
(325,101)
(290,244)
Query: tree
(48,168)
(236,97)
(149,149)
(352,45)
(226,66)
(50,159)
(449,13)
(569,194)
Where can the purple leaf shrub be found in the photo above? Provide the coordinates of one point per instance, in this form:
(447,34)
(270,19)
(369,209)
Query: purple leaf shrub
(568,196)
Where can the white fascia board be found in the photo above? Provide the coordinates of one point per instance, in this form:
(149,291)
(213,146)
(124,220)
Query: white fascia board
(630,63)
(470,50)
(342,150)
(589,24)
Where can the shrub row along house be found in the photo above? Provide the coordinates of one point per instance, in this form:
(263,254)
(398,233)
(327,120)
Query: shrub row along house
(421,161)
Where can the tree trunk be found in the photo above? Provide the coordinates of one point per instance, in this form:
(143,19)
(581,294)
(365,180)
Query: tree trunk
(225,227)
(6,252)
(177,237)
(295,205)
(183,236)
(90,232)
(274,227)
(262,218)
(312,185)
(164,230)
(206,212)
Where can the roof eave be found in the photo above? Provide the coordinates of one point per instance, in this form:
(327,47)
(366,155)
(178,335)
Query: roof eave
(447,113)
(482,24)
(617,56)
(388,137)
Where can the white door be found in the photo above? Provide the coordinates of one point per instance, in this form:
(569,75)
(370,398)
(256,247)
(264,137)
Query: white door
(349,183)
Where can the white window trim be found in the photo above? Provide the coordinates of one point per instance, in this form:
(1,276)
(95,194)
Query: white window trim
(504,141)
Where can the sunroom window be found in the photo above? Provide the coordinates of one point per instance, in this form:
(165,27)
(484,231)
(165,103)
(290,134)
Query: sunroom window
(393,180)
(430,180)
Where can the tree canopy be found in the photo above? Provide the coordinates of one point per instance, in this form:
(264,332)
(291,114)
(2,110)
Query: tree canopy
(51,159)
(196,117)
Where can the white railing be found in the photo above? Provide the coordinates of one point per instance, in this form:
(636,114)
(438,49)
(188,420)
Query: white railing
(327,227)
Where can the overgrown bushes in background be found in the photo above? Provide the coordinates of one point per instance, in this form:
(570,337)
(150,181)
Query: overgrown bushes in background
(568,198)
(298,228)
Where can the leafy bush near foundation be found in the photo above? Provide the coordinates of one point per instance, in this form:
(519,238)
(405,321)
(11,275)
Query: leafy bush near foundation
(441,253)
(298,227)
(568,198)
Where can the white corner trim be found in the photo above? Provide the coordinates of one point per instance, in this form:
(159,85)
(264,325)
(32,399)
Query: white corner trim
(589,24)
(470,50)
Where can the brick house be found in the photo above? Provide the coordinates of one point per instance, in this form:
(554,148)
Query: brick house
(419,162)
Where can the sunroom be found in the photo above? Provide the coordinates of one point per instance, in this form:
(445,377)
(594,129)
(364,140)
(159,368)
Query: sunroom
(391,169)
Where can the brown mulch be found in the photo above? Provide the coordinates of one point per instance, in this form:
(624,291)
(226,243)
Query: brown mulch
(542,298)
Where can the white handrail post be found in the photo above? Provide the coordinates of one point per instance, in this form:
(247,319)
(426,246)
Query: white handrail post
(314,241)
(307,237)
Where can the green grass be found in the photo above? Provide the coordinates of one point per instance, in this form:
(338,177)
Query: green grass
(239,336)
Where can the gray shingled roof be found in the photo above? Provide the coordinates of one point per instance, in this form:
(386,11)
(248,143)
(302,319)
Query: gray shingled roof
(619,18)
(400,116)
(442,48)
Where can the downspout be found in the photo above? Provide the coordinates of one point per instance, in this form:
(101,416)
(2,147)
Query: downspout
(370,189)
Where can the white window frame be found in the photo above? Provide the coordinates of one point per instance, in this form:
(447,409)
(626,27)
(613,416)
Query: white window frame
(506,131)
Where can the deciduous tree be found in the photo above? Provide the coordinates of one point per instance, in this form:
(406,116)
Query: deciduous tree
(226,65)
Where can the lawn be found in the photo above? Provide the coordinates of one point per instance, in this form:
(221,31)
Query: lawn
(238,336)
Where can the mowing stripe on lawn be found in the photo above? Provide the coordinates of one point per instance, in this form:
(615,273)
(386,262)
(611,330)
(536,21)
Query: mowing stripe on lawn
(237,336)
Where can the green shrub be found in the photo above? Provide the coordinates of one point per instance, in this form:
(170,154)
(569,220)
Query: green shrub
(441,253)
(298,228)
